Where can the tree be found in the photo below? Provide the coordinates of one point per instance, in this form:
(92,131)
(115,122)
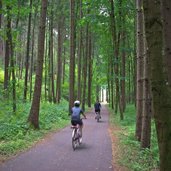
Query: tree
(72,55)
(34,111)
(51,89)
(60,26)
(27,52)
(140,53)
(157,33)
(89,68)
(115,42)
(85,59)
(146,111)
(7,50)
(80,52)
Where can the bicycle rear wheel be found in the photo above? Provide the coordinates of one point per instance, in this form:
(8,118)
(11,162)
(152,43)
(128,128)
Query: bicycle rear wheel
(74,139)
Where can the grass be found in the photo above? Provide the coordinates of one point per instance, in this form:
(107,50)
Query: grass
(15,133)
(131,155)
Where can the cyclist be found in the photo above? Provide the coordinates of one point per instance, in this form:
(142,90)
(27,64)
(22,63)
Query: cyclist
(97,107)
(76,112)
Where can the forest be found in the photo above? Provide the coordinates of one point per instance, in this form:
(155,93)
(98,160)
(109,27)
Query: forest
(53,52)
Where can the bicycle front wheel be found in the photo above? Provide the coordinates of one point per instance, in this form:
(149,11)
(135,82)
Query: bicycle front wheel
(74,140)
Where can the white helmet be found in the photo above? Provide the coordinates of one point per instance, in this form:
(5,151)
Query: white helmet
(77,103)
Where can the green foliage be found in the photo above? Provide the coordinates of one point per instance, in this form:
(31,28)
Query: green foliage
(15,132)
(132,156)
(1,76)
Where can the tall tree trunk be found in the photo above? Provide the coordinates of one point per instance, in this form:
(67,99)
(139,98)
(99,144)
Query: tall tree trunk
(52,55)
(34,111)
(123,102)
(46,63)
(59,68)
(146,112)
(7,50)
(85,58)
(159,73)
(165,110)
(32,51)
(49,51)
(12,62)
(80,46)
(140,52)
(72,55)
(115,42)
(89,69)
(63,66)
(27,52)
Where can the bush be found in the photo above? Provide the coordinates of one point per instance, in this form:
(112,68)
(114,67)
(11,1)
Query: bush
(15,132)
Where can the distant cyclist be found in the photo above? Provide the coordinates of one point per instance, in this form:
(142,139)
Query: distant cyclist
(76,112)
(97,107)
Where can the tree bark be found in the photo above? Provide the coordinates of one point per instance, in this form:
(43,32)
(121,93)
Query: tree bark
(89,69)
(146,111)
(59,68)
(72,55)
(80,47)
(140,51)
(161,91)
(34,111)
(27,52)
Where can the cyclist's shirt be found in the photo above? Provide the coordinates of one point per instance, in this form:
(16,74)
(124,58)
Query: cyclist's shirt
(75,113)
(97,106)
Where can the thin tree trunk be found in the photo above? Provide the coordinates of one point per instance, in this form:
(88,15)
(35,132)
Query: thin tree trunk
(27,52)
(80,46)
(59,68)
(123,102)
(32,53)
(140,52)
(115,42)
(46,63)
(89,69)
(34,111)
(12,62)
(51,55)
(72,55)
(85,69)
(146,112)
(7,51)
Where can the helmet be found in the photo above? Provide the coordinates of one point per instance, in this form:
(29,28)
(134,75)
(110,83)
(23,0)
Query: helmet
(77,103)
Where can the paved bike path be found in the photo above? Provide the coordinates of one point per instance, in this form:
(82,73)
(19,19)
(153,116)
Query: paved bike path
(56,153)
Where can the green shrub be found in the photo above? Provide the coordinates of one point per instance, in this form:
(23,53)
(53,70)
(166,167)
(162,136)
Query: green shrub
(15,132)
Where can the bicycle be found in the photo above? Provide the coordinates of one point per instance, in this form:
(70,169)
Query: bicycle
(76,136)
(97,116)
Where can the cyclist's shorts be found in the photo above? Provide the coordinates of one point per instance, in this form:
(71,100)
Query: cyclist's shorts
(75,122)
(97,110)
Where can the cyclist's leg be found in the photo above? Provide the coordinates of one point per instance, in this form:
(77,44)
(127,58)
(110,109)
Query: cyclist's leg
(99,113)
(96,112)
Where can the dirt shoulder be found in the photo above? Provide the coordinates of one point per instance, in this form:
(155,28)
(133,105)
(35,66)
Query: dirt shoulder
(114,131)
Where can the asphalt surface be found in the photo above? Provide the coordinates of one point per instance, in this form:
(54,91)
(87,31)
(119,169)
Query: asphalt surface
(55,153)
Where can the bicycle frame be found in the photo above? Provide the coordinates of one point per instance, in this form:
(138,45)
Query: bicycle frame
(75,136)
(97,116)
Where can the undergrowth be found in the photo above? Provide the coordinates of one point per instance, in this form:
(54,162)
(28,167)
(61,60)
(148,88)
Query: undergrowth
(131,155)
(16,134)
